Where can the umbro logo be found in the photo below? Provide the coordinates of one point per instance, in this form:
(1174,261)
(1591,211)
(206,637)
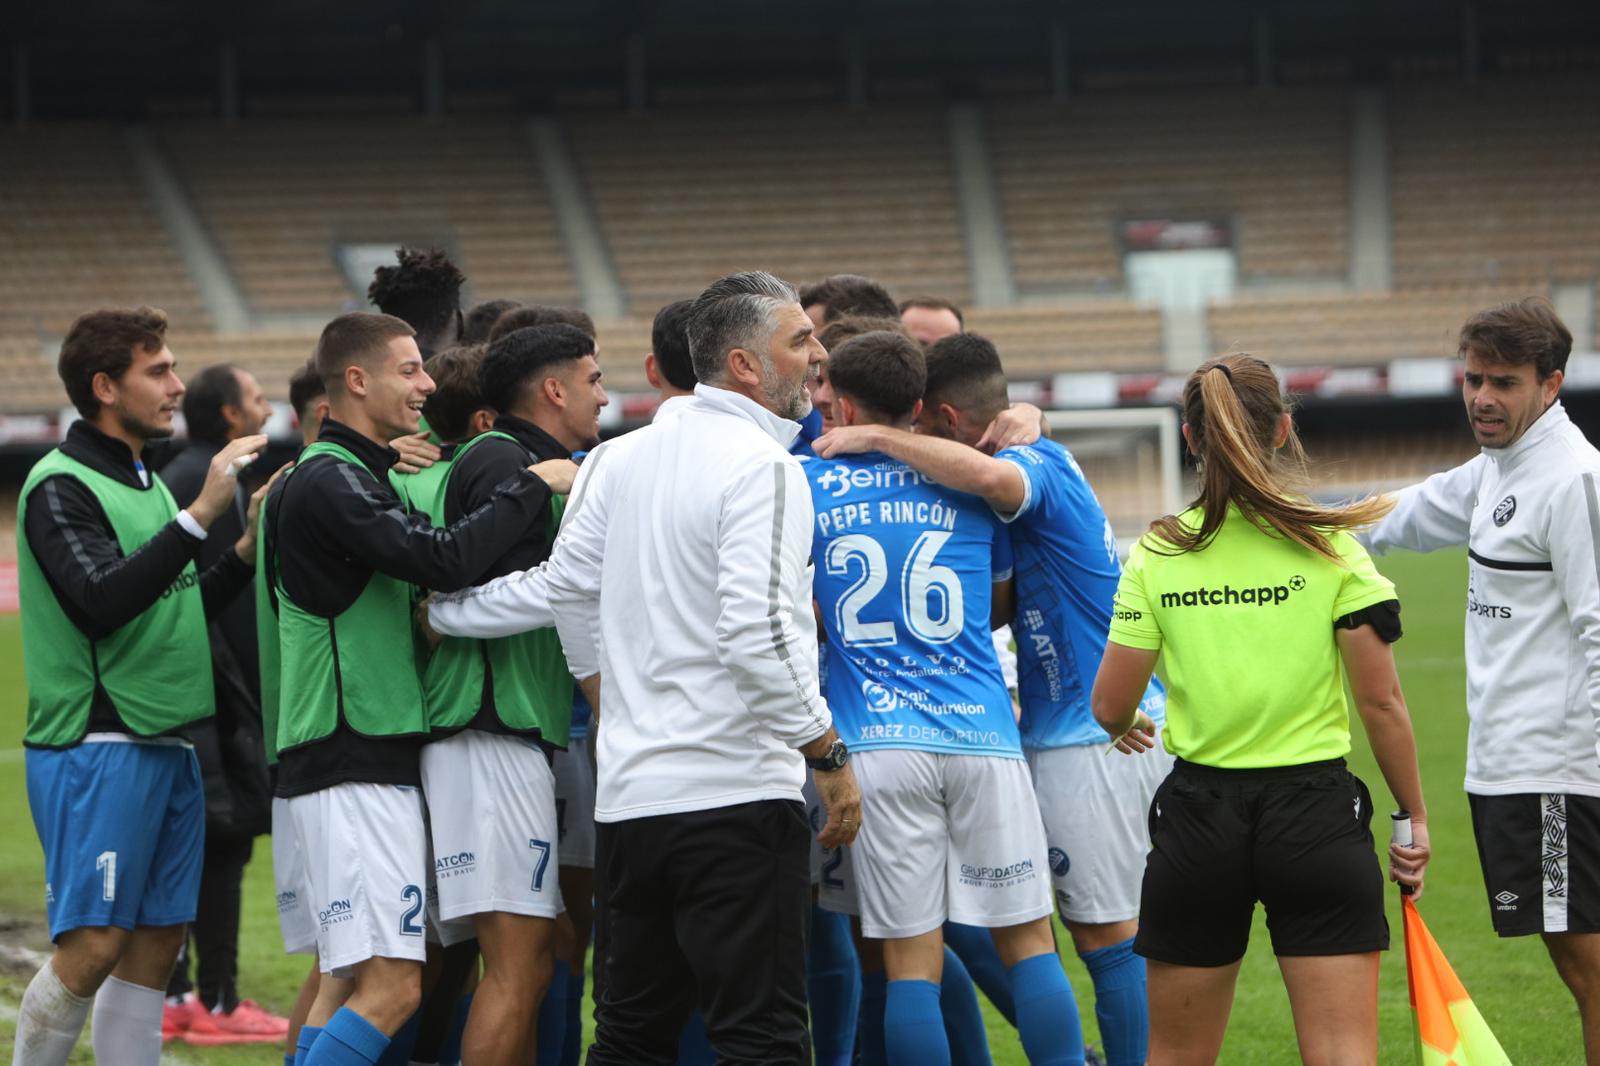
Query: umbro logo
(1507,901)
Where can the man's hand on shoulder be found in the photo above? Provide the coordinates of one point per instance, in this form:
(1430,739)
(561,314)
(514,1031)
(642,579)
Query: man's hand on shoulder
(559,474)
(417,453)
(1019,424)
(848,440)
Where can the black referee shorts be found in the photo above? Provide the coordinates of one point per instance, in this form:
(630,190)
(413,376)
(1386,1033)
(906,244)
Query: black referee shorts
(1540,854)
(1296,838)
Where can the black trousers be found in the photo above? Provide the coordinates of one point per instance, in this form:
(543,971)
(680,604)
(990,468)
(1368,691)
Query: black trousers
(706,909)
(215,932)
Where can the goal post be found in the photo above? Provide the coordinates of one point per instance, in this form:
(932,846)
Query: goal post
(1132,458)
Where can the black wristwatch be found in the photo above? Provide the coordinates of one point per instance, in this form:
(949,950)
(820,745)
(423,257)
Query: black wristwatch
(833,759)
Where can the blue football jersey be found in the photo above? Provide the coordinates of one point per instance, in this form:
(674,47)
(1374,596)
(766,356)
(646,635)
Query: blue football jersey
(810,430)
(904,575)
(581,713)
(1067,571)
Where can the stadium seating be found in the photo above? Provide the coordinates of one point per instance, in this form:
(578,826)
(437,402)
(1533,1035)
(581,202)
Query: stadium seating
(78,232)
(686,196)
(1275,162)
(280,193)
(31,382)
(1367,461)
(1038,341)
(1357,329)
(1495,181)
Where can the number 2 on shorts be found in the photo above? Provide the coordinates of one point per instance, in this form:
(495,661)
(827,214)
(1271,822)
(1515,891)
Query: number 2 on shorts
(409,926)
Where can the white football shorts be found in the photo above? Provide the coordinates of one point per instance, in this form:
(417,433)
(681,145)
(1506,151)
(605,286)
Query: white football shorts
(943,837)
(1096,810)
(575,803)
(492,814)
(366,864)
(296,919)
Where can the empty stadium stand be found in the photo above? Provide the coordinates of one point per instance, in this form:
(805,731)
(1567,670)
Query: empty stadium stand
(1355,329)
(1274,162)
(686,196)
(79,233)
(1036,341)
(280,193)
(1496,181)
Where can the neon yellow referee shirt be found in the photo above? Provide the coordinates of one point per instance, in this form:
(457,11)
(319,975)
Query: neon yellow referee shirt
(1246,627)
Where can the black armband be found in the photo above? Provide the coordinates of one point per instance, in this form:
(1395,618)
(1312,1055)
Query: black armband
(1383,617)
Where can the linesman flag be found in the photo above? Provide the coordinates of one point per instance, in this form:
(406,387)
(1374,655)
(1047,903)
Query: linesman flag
(1450,1031)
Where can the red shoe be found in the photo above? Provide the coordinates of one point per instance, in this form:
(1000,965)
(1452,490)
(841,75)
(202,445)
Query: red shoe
(174,1019)
(204,1029)
(249,1019)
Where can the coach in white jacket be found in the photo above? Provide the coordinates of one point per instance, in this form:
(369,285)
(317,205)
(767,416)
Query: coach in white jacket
(1528,510)
(700,625)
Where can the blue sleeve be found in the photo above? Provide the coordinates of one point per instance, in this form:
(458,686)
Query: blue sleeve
(1002,565)
(1035,474)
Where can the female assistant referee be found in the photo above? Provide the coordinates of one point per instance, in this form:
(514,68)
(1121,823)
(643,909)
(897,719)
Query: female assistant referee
(1256,595)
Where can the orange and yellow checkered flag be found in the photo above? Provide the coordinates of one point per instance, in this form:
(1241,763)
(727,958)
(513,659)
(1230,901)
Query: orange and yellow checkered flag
(1450,1031)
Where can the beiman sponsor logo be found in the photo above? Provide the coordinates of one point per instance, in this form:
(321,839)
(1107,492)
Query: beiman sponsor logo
(1229,595)
(840,480)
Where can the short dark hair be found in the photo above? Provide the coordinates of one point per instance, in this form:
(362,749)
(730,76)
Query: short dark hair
(540,315)
(103,342)
(934,303)
(849,294)
(424,288)
(205,395)
(1520,333)
(354,337)
(840,330)
(517,359)
(481,319)
(733,312)
(305,388)
(669,343)
(883,371)
(456,395)
(964,371)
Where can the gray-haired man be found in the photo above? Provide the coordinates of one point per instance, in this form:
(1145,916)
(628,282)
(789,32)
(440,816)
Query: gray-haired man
(710,706)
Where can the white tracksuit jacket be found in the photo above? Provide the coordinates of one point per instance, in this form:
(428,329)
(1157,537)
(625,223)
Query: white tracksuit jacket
(699,622)
(1530,518)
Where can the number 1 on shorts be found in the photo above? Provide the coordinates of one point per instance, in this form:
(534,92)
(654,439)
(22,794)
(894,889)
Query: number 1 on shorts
(107,865)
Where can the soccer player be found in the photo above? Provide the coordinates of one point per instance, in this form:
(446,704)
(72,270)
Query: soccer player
(223,403)
(930,319)
(951,826)
(839,295)
(1067,569)
(481,319)
(540,315)
(1528,510)
(117,662)
(345,550)
(296,917)
(1256,596)
(422,289)
(498,709)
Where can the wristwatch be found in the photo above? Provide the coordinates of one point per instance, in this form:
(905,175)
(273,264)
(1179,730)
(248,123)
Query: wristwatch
(833,759)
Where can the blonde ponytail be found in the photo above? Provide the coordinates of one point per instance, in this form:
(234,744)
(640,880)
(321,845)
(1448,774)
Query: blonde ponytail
(1233,407)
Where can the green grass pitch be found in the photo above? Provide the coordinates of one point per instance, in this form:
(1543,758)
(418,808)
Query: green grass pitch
(1511,980)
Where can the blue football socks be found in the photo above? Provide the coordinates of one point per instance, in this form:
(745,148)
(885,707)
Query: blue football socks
(1120,1005)
(963,1018)
(874,996)
(913,1032)
(1047,1012)
(833,980)
(976,948)
(348,1040)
